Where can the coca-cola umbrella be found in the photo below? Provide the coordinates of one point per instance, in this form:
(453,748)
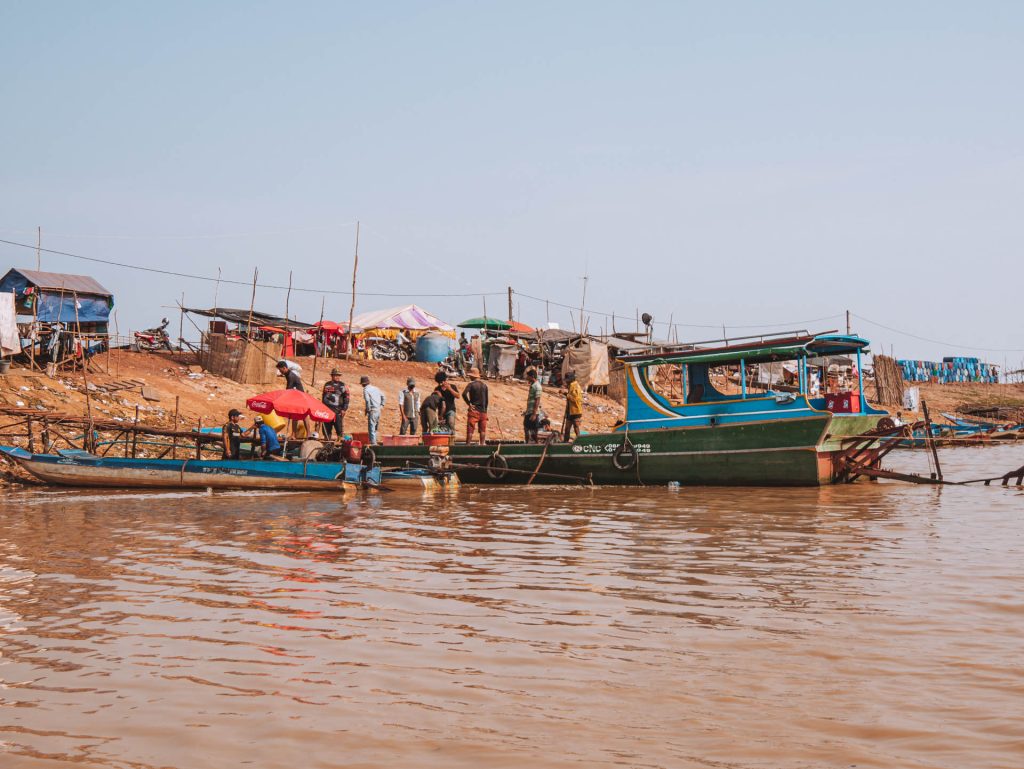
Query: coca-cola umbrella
(290,404)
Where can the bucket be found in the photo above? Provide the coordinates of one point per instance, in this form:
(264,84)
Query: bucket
(5,366)
(400,440)
(437,439)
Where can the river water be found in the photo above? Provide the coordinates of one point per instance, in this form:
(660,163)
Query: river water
(873,625)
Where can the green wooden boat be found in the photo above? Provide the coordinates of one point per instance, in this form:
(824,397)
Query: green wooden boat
(771,437)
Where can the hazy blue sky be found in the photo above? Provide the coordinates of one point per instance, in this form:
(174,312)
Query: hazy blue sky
(736,163)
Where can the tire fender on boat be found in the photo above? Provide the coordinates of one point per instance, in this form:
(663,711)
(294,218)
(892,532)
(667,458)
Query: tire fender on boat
(369,457)
(497,466)
(624,457)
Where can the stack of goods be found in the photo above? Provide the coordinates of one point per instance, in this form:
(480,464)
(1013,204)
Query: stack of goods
(949,370)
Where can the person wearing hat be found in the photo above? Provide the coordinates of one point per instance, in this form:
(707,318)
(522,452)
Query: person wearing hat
(231,435)
(475,395)
(573,406)
(408,407)
(292,379)
(373,400)
(270,446)
(336,397)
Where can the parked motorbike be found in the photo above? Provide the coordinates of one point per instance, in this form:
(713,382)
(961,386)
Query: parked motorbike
(153,339)
(387,349)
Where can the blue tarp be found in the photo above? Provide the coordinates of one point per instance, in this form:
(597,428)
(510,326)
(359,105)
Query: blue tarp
(91,309)
(54,305)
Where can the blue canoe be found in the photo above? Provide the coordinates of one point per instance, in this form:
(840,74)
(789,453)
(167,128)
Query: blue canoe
(80,468)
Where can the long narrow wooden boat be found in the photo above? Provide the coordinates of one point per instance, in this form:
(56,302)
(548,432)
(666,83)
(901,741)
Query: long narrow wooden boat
(706,437)
(81,468)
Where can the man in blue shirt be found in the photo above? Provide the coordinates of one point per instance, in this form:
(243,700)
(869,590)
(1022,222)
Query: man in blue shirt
(373,399)
(270,446)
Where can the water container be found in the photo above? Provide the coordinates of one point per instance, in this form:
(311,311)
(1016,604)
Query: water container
(432,347)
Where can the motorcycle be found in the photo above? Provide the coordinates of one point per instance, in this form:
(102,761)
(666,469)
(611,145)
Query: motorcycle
(387,349)
(153,339)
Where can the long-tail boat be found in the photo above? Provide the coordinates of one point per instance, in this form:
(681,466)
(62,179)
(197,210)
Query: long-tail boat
(705,436)
(82,468)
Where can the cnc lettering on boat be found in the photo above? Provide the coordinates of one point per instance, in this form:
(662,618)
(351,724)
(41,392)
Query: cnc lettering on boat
(609,448)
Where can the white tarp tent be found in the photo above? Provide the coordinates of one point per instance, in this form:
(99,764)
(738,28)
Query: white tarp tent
(411,317)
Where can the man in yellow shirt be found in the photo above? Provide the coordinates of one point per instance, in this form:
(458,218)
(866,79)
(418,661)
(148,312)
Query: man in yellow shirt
(573,406)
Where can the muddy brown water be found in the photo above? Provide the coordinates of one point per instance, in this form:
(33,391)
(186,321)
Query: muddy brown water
(874,625)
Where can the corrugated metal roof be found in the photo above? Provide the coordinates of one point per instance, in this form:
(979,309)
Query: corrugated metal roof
(55,281)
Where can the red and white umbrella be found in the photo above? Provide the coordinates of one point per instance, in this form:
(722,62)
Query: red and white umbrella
(290,404)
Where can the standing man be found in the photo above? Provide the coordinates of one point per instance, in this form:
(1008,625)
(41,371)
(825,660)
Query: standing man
(531,417)
(231,435)
(270,446)
(292,380)
(475,395)
(448,393)
(573,406)
(373,400)
(336,397)
(409,407)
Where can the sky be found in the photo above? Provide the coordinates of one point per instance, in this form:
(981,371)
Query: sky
(755,167)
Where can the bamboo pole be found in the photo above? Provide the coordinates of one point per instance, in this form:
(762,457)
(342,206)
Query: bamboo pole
(252,302)
(352,307)
(85,376)
(135,435)
(315,346)
(174,442)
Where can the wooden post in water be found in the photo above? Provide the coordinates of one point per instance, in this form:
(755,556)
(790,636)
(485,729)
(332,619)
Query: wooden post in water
(928,438)
(46,435)
(31,439)
(199,440)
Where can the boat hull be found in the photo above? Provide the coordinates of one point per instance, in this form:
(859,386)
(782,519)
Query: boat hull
(81,469)
(774,453)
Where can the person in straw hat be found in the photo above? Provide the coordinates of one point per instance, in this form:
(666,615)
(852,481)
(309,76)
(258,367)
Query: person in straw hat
(475,396)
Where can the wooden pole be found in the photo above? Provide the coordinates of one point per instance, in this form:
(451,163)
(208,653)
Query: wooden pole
(252,302)
(199,440)
(287,301)
(928,438)
(174,442)
(216,290)
(315,346)
(85,376)
(181,322)
(510,304)
(39,246)
(352,307)
(135,435)
(847,322)
(117,336)
(583,303)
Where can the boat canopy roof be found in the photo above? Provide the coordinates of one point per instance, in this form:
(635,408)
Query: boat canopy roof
(763,349)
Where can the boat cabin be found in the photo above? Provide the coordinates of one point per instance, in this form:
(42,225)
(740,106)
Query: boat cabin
(754,379)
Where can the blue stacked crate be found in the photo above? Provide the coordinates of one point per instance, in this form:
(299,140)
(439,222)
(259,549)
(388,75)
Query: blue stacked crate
(951,369)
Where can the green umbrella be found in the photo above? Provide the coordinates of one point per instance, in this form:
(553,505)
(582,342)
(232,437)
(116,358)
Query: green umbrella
(493,324)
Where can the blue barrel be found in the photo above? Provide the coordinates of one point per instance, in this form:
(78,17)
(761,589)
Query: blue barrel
(432,347)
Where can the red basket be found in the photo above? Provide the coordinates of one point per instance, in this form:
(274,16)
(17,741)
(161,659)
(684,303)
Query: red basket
(400,440)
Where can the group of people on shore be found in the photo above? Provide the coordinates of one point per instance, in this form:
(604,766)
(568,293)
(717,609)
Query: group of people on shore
(434,413)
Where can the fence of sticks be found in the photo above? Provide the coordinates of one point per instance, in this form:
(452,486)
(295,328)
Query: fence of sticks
(888,381)
(47,431)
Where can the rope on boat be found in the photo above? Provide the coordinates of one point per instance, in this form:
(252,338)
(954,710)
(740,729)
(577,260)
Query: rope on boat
(543,456)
